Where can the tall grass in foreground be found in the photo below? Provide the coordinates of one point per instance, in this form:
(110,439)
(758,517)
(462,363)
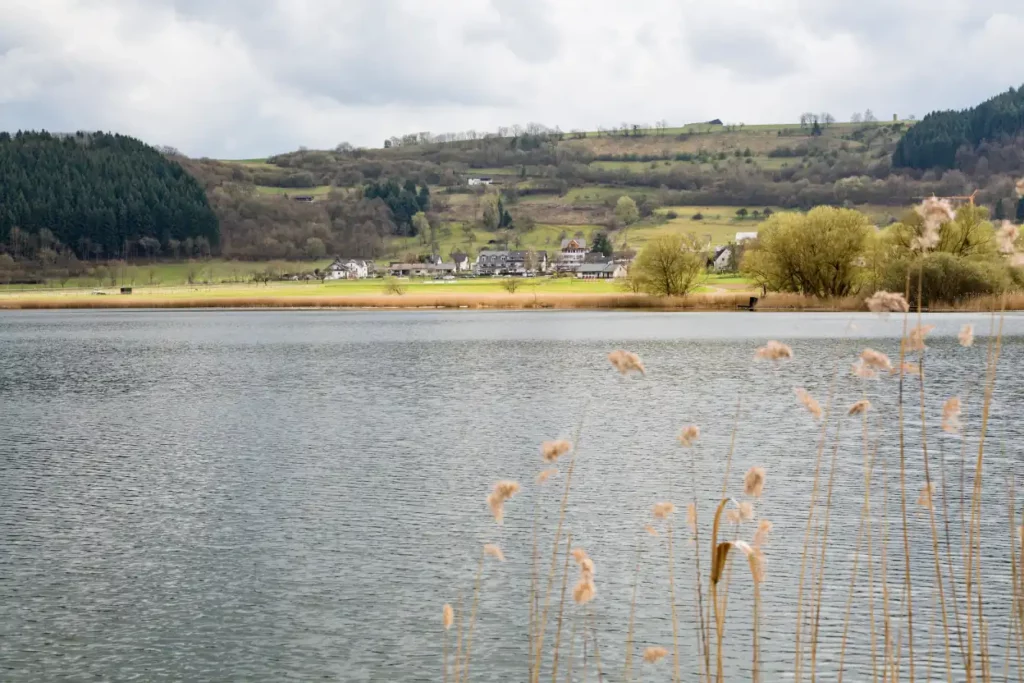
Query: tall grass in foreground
(961,625)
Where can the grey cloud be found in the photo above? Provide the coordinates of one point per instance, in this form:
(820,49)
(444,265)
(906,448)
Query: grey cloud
(523,29)
(747,54)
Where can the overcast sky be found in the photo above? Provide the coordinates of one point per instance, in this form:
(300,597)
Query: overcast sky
(247,78)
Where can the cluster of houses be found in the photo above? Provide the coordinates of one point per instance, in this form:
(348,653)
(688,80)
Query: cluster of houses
(573,258)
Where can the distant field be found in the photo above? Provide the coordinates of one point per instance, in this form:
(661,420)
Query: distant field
(370,287)
(318,191)
(544,237)
(215,271)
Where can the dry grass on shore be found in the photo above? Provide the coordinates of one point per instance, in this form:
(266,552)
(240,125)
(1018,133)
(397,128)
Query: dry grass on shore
(719,301)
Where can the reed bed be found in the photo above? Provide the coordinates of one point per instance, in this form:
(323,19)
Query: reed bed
(718,301)
(953,640)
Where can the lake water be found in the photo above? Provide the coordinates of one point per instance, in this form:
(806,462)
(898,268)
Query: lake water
(270,496)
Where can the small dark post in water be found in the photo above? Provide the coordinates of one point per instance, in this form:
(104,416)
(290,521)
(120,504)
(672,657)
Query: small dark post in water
(126,290)
(751,305)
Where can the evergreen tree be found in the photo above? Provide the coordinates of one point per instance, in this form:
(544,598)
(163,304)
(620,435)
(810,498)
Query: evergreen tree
(602,244)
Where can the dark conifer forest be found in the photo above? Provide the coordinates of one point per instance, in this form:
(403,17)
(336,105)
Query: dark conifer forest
(100,195)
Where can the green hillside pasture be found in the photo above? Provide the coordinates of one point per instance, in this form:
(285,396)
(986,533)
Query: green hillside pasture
(320,191)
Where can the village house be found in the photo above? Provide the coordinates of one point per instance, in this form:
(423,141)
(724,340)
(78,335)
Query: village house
(462,262)
(572,255)
(347,269)
(601,271)
(421,269)
(489,262)
(472,182)
(742,237)
(519,262)
(721,260)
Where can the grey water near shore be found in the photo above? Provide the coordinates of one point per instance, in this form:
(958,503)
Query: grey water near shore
(266,496)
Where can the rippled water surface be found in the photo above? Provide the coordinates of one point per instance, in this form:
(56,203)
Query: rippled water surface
(271,496)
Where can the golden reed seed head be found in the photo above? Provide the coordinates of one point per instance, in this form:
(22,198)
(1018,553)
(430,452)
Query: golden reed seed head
(688,435)
(860,407)
(447,616)
(732,516)
(753,482)
(503,490)
(876,359)
(746,511)
(813,407)
(579,554)
(887,302)
(626,362)
(966,335)
(927,494)
(935,213)
(911,369)
(494,551)
(764,528)
(860,369)
(1006,237)
(545,475)
(951,415)
(915,337)
(664,510)
(774,350)
(553,450)
(651,530)
(652,655)
(583,592)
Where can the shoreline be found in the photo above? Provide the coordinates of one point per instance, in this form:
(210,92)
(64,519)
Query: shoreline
(711,302)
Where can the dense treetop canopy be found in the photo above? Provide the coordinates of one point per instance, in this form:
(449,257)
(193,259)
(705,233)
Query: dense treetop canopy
(935,141)
(98,193)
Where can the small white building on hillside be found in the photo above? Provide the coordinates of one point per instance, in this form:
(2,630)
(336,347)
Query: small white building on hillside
(742,237)
(347,269)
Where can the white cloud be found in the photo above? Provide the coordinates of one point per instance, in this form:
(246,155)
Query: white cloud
(236,79)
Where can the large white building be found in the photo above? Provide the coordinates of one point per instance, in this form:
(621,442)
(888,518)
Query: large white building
(347,269)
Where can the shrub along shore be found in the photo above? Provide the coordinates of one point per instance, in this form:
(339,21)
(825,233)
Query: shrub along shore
(719,301)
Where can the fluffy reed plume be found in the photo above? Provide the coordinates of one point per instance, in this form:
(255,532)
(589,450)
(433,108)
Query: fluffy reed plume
(502,491)
(951,415)
(545,475)
(689,434)
(861,369)
(876,360)
(495,552)
(447,616)
(1006,237)
(887,302)
(966,335)
(654,654)
(935,212)
(651,530)
(553,450)
(691,517)
(753,482)
(664,510)
(926,496)
(860,407)
(813,407)
(915,338)
(584,590)
(746,510)
(764,528)
(774,350)
(626,362)
(732,515)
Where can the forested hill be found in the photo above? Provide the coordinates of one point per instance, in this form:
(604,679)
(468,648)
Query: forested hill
(951,139)
(98,194)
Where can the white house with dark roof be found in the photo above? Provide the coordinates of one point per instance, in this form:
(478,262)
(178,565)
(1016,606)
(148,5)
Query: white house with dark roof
(572,255)
(347,269)
(462,262)
(601,271)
